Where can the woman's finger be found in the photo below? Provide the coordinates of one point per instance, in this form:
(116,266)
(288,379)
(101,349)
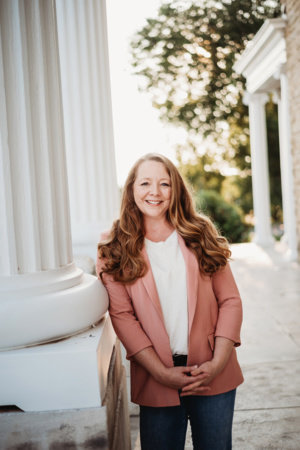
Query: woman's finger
(188,369)
(197,371)
(197,380)
(201,376)
(191,386)
(195,391)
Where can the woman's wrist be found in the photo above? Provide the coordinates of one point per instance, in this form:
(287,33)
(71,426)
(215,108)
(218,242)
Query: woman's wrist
(149,359)
(160,374)
(218,364)
(222,352)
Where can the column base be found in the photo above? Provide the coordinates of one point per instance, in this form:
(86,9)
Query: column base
(47,306)
(290,253)
(263,241)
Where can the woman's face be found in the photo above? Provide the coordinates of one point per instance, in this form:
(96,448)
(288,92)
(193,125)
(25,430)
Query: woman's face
(152,189)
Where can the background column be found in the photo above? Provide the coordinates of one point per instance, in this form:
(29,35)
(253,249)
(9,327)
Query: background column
(259,165)
(43,295)
(83,49)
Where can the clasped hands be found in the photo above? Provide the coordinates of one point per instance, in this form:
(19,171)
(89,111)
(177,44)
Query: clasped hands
(191,380)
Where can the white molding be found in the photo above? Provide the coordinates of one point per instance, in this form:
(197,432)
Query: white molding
(263,56)
(270,31)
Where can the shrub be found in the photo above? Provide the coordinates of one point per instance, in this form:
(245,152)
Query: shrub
(227,217)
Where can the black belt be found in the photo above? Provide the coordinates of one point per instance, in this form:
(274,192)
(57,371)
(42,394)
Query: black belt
(179,360)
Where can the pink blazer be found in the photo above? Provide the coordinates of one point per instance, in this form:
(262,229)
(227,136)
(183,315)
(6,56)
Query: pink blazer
(214,309)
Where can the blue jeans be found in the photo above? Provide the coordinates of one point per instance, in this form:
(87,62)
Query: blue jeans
(164,428)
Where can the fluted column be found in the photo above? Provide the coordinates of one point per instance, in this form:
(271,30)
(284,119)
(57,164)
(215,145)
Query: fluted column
(87,110)
(43,295)
(259,166)
(286,167)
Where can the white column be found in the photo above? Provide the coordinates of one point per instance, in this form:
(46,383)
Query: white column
(286,167)
(87,109)
(259,166)
(43,295)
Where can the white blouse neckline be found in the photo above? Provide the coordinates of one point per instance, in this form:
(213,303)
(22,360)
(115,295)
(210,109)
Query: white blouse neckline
(170,238)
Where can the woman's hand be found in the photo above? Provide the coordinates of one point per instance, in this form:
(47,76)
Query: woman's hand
(202,376)
(207,371)
(177,377)
(173,377)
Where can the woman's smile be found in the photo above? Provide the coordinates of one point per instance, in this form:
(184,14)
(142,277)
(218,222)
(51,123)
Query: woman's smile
(154,202)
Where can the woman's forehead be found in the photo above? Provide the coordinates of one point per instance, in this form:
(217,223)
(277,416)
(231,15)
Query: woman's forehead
(150,169)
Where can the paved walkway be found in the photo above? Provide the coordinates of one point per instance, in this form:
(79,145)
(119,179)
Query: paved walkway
(267,414)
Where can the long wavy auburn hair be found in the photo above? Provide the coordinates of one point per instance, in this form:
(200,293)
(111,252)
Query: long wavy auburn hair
(121,251)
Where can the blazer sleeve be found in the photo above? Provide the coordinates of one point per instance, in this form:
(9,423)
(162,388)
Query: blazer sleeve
(230,306)
(125,323)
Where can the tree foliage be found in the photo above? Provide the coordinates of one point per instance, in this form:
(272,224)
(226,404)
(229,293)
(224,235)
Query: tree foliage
(185,56)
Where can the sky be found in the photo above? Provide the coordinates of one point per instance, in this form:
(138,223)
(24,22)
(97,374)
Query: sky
(137,127)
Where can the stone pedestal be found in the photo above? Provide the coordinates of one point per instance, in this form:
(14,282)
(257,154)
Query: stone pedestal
(70,373)
(62,388)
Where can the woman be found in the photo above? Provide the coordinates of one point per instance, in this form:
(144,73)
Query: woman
(175,306)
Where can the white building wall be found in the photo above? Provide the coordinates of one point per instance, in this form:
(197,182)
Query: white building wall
(292,33)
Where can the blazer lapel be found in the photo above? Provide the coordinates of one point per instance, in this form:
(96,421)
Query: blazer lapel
(149,283)
(192,279)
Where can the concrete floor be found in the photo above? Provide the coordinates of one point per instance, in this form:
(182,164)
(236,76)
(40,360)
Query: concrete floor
(267,413)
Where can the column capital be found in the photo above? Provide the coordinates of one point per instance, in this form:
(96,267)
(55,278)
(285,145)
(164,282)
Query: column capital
(281,70)
(251,97)
(276,96)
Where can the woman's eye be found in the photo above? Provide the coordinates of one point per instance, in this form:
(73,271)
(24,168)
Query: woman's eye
(165,184)
(145,183)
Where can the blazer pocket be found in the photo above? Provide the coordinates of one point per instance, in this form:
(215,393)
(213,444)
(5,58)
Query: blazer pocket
(211,340)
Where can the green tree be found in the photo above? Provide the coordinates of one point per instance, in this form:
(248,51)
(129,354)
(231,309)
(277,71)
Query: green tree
(201,172)
(185,56)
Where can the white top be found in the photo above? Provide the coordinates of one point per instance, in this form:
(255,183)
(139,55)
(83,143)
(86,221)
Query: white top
(168,267)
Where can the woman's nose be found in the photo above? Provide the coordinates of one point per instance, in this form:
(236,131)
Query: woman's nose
(154,189)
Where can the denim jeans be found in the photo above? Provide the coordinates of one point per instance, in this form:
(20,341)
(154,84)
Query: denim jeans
(164,428)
